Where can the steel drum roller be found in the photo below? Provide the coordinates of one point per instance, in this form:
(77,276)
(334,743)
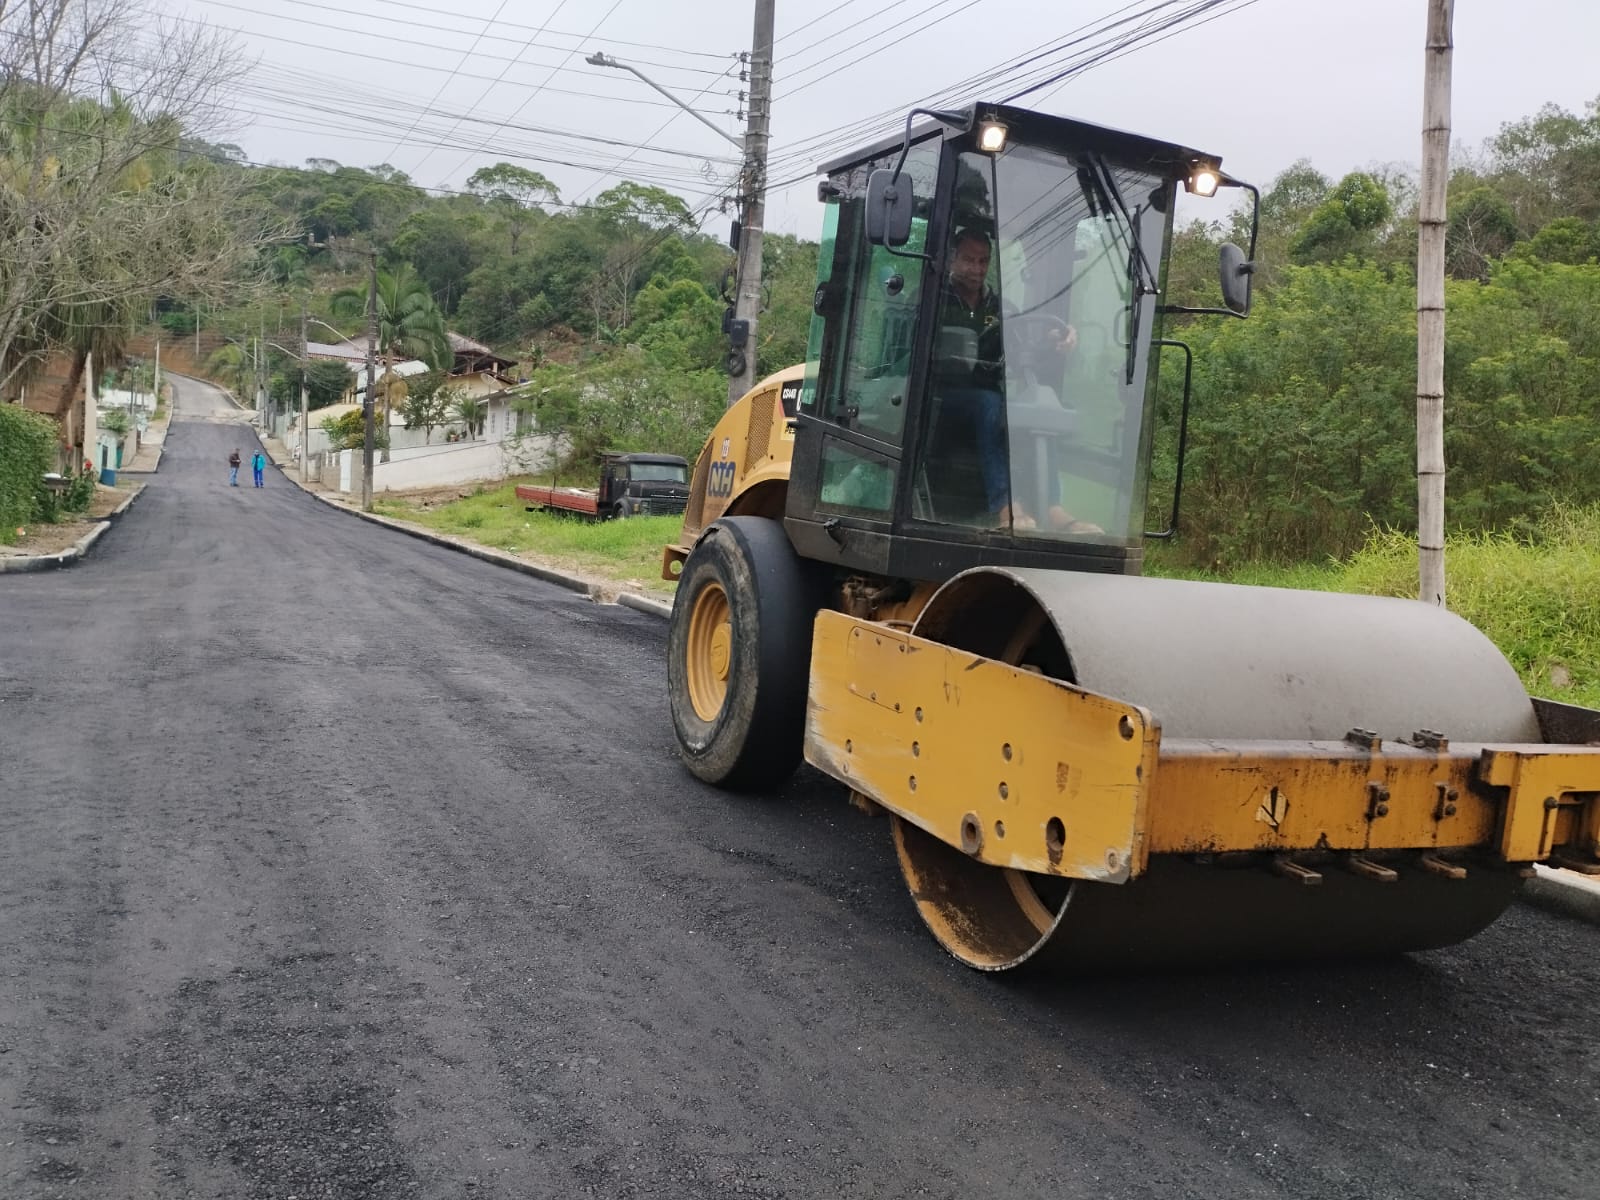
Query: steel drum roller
(1227,662)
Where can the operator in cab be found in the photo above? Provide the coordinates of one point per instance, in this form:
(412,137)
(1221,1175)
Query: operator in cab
(970,376)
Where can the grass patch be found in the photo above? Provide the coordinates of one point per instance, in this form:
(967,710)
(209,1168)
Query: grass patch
(623,552)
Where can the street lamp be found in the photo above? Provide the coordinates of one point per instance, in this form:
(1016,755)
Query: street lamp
(597,59)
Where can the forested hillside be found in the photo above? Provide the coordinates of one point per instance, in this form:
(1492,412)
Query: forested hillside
(1302,429)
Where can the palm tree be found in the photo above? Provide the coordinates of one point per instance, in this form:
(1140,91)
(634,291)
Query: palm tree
(233,363)
(409,322)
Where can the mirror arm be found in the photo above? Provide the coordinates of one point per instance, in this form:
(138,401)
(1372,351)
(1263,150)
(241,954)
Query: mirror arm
(1166,309)
(1183,438)
(962,121)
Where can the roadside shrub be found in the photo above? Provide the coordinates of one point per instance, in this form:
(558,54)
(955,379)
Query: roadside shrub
(1537,596)
(349,432)
(27,451)
(80,491)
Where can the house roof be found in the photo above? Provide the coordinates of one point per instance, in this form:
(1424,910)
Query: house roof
(346,351)
(404,370)
(465,347)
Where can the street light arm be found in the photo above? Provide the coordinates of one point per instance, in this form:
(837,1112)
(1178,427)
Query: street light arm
(598,59)
(342,336)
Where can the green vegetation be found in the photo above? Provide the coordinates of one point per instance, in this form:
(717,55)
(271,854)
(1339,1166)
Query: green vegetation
(27,451)
(103,208)
(624,552)
(349,431)
(1302,432)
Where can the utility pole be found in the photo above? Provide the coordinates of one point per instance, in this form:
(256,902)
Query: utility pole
(1430,302)
(742,339)
(366,404)
(305,396)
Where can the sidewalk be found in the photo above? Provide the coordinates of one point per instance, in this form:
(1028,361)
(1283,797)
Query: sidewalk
(148,460)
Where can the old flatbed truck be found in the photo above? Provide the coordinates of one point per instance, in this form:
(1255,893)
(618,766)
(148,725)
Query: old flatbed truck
(630,485)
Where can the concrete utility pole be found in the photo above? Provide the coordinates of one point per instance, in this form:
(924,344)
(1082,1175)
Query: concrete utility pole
(261,380)
(305,395)
(366,404)
(1430,302)
(753,207)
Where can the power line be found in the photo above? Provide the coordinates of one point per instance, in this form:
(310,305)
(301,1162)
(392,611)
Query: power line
(371,34)
(610,41)
(660,129)
(439,91)
(1015,70)
(528,99)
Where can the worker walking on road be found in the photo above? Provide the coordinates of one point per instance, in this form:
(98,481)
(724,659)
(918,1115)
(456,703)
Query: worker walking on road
(233,468)
(258,464)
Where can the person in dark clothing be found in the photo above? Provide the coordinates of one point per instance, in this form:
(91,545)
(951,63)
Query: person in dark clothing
(233,468)
(978,388)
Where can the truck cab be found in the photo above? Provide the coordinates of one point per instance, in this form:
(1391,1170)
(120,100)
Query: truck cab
(643,484)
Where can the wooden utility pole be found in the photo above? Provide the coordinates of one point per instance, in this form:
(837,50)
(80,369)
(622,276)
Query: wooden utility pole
(366,404)
(1430,302)
(752,192)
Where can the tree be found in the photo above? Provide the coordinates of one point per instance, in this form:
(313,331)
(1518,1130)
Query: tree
(465,408)
(438,242)
(326,382)
(348,432)
(233,366)
(1480,228)
(409,322)
(1569,240)
(1345,223)
(515,192)
(101,211)
(429,403)
(639,204)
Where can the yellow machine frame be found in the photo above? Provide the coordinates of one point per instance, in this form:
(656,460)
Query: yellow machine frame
(1030,773)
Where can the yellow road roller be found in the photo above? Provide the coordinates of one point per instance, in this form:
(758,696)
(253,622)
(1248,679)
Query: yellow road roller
(916,561)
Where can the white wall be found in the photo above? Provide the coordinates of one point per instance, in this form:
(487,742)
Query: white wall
(463,462)
(441,465)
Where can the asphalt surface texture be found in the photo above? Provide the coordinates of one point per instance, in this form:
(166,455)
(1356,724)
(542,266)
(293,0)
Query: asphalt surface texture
(336,864)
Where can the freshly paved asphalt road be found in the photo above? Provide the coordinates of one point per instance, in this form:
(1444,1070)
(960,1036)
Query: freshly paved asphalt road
(334,864)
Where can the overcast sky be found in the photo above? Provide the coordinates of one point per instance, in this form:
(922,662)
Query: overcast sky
(440,87)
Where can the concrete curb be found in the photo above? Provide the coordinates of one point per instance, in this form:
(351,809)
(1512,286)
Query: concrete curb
(154,467)
(65,558)
(649,605)
(1564,892)
(124,506)
(499,558)
(62,558)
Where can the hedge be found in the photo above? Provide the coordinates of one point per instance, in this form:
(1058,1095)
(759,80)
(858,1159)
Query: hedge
(27,451)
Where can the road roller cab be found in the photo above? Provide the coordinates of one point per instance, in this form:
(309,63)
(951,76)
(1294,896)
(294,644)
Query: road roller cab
(982,371)
(916,561)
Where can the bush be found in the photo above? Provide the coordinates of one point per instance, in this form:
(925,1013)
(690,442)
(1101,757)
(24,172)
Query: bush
(27,451)
(80,491)
(1537,597)
(349,432)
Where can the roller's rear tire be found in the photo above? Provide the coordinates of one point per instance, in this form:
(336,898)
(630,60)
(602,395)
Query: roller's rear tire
(739,654)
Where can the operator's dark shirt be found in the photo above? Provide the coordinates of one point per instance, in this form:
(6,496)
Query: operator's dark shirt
(985,321)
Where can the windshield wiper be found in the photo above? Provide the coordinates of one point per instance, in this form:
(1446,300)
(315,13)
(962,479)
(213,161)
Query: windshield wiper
(1141,277)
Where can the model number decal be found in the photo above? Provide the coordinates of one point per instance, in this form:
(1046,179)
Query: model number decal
(720,481)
